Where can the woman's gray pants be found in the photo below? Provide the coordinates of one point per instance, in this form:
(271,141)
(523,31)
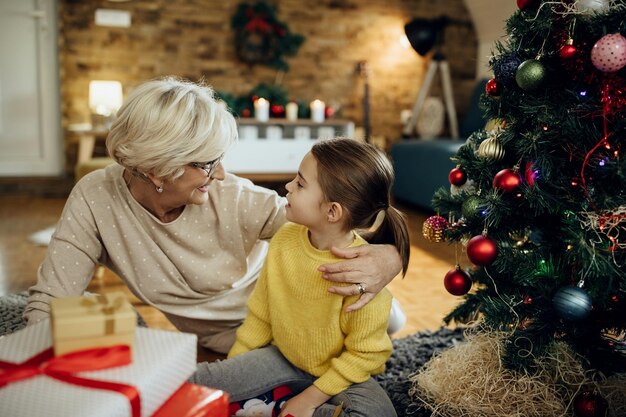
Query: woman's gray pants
(258,371)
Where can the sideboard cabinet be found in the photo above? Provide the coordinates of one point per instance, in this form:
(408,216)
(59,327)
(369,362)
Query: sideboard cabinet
(273,150)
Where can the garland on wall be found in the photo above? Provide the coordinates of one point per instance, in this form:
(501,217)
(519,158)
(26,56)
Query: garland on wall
(243,105)
(261,38)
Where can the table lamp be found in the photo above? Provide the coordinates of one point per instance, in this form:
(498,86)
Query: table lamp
(105,99)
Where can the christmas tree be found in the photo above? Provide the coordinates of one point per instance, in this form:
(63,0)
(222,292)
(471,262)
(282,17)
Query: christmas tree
(538,204)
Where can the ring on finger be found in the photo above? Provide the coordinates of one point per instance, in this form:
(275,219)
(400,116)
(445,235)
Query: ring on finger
(361,288)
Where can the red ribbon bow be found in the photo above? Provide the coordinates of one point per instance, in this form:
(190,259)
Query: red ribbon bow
(65,366)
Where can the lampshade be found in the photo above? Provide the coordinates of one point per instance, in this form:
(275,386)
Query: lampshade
(105,97)
(424,34)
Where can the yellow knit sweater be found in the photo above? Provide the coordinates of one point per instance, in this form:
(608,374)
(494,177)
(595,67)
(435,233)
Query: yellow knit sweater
(291,308)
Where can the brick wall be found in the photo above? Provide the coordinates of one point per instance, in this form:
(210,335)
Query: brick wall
(193,39)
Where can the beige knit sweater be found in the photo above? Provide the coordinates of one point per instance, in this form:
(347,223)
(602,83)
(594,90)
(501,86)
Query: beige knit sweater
(198,269)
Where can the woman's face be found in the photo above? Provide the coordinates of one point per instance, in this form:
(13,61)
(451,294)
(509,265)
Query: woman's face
(193,186)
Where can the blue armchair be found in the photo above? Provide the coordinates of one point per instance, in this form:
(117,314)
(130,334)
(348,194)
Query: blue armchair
(422,166)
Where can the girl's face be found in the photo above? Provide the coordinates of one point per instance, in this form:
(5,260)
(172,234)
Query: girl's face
(192,187)
(306,202)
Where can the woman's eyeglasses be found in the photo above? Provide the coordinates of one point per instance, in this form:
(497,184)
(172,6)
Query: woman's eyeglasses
(208,167)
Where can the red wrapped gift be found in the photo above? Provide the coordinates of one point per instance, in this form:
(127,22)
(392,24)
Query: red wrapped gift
(195,401)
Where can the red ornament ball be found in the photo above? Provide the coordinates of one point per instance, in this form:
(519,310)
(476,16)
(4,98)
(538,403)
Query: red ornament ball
(568,51)
(246,112)
(481,250)
(492,88)
(589,404)
(523,4)
(277,110)
(530,174)
(329,112)
(457,281)
(507,180)
(457,177)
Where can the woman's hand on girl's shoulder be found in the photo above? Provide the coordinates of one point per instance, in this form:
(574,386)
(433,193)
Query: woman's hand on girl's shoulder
(368,267)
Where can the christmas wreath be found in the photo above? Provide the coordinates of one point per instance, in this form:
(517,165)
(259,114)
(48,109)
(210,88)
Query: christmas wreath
(260,38)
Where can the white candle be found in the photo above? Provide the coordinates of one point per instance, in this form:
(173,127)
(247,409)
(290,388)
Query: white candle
(262,110)
(317,111)
(291,111)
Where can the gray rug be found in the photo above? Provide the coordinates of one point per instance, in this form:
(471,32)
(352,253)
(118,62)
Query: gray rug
(409,355)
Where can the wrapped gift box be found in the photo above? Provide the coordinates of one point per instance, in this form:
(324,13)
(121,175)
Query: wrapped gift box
(92,321)
(162,362)
(195,401)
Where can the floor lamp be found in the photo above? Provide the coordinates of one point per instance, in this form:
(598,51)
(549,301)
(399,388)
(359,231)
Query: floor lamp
(425,35)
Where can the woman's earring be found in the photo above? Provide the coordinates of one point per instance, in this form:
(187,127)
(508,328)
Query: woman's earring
(159,189)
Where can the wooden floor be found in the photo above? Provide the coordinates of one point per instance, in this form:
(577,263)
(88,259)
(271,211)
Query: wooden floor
(421,292)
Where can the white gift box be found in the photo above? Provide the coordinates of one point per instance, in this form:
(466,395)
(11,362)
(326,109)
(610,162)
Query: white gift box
(162,362)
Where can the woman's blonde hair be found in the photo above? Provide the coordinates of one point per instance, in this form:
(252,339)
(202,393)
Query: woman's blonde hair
(359,177)
(168,123)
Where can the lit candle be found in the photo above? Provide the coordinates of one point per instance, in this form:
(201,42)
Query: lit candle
(317,111)
(262,110)
(291,111)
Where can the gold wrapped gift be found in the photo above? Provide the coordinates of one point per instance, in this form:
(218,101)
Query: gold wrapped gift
(92,321)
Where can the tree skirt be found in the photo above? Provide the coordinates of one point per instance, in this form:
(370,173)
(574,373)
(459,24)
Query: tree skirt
(409,354)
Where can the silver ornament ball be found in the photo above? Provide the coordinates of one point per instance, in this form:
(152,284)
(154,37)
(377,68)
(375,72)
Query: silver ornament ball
(572,303)
(592,6)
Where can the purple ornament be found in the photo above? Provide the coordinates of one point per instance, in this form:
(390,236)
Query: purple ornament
(505,67)
(609,53)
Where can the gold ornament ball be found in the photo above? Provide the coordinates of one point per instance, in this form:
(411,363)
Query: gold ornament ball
(491,149)
(434,227)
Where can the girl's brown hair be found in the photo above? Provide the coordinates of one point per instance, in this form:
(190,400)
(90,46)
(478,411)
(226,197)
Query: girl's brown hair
(359,177)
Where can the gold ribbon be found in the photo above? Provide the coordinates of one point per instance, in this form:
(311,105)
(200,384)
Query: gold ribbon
(107,308)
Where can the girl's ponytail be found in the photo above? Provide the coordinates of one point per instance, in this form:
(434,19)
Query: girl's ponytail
(393,230)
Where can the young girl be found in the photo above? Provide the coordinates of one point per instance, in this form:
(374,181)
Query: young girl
(296,333)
